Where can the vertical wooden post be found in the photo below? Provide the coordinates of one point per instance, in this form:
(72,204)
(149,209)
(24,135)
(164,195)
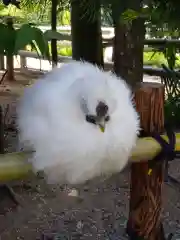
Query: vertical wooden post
(9,56)
(146,190)
(2,66)
(86,33)
(23,62)
(2,147)
(53,28)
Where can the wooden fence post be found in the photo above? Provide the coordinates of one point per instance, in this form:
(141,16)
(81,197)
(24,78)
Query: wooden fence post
(2,147)
(146,190)
(2,65)
(23,62)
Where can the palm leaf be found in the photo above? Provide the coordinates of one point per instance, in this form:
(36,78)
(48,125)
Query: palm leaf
(25,35)
(41,43)
(50,34)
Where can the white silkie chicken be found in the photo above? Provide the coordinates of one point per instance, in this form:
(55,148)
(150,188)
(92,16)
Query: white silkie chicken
(80,121)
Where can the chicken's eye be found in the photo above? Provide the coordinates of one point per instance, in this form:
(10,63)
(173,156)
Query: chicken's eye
(107,118)
(91,119)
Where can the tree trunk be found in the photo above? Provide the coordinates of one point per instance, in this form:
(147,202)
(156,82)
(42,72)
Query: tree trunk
(146,190)
(10,57)
(129,45)
(10,68)
(86,33)
(53,27)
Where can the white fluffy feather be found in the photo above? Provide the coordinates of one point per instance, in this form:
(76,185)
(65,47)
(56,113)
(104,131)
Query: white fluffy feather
(52,121)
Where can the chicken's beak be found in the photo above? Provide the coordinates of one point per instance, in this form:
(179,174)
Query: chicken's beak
(101,125)
(102,128)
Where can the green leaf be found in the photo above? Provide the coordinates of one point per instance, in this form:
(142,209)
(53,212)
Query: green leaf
(28,34)
(2,7)
(34,47)
(129,15)
(7,39)
(170,55)
(24,36)
(41,43)
(50,34)
(154,53)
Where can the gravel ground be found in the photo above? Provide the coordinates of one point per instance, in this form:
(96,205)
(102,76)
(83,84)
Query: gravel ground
(97,210)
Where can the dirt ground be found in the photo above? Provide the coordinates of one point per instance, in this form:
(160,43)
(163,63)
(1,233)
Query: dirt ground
(97,210)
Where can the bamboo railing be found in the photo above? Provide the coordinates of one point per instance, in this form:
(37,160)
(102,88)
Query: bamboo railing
(15,165)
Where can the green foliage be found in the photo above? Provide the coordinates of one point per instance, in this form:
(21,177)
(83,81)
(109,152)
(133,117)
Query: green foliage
(64,18)
(154,60)
(157,59)
(7,39)
(66,51)
(62,50)
(129,15)
(50,34)
(19,16)
(24,36)
(164,20)
(170,55)
(40,11)
(2,7)
(41,43)
(12,40)
(170,62)
(37,12)
(169,51)
(171,82)
(90,8)
(166,11)
(161,16)
(158,13)
(172,101)
(172,111)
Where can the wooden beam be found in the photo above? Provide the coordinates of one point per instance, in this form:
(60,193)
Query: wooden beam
(146,190)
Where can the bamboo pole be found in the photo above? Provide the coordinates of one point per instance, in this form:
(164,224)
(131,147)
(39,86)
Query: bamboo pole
(146,190)
(14,165)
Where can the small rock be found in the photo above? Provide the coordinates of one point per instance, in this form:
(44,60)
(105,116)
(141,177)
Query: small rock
(73,193)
